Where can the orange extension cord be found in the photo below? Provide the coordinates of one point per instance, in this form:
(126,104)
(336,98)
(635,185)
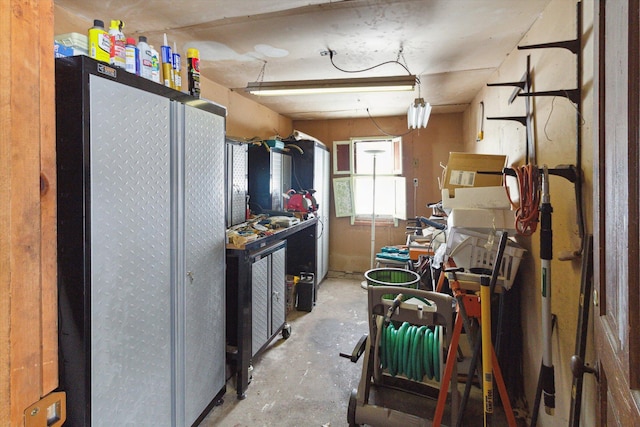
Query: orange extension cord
(528,178)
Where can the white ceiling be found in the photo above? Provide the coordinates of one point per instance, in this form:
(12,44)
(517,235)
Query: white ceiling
(453,46)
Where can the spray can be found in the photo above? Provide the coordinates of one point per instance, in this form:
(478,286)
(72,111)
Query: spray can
(193,71)
(118,44)
(177,68)
(145,57)
(167,66)
(132,64)
(99,42)
(155,65)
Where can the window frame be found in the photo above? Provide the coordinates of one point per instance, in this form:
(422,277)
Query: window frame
(342,200)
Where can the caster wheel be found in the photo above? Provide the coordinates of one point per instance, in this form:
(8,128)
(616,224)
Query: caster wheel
(351,410)
(286,331)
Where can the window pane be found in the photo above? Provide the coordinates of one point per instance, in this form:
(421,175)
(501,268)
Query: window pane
(385,199)
(364,160)
(341,157)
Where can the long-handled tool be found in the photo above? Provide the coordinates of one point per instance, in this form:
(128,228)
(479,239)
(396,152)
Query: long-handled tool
(546,380)
(487,285)
(546,255)
(577,364)
(482,343)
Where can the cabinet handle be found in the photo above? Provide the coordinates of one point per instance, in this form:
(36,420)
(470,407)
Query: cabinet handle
(190,276)
(277,295)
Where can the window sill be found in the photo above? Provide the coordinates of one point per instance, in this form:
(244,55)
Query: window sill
(379,221)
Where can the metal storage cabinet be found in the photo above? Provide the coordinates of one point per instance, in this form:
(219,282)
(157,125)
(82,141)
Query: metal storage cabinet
(269,178)
(141,248)
(311,170)
(268,305)
(256,292)
(236,182)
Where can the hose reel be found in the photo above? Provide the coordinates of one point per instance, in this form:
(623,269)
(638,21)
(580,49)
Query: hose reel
(412,351)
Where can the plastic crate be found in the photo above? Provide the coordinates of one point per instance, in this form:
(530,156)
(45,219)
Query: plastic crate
(71,44)
(472,250)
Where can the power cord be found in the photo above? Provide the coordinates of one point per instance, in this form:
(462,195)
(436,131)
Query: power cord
(528,178)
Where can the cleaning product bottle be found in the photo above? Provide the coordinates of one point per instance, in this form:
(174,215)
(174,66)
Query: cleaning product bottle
(155,65)
(118,44)
(167,66)
(99,42)
(132,64)
(145,57)
(193,71)
(177,68)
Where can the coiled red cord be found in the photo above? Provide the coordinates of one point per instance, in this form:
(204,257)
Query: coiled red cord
(526,221)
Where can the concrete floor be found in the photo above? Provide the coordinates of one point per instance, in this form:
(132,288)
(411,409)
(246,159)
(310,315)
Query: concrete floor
(302,381)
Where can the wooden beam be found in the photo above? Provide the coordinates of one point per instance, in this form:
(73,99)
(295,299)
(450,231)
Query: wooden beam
(48,246)
(5,219)
(28,303)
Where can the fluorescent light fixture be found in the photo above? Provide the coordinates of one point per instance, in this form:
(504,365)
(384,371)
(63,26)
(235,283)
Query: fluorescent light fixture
(307,87)
(418,114)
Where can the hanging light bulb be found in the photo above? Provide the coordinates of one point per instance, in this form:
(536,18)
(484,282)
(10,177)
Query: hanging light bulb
(418,114)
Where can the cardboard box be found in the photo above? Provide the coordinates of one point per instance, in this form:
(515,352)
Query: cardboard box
(462,171)
(481,219)
(477,198)
(461,182)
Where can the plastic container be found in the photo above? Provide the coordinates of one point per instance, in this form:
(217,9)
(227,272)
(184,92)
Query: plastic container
(99,42)
(291,282)
(73,44)
(132,64)
(145,57)
(155,65)
(392,277)
(193,71)
(304,292)
(117,56)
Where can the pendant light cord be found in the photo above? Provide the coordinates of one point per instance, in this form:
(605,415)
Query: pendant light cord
(332,54)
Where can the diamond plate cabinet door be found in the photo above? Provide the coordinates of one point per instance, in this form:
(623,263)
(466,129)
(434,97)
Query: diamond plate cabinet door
(268,300)
(204,352)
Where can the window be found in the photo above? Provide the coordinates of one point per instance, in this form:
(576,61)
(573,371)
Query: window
(354,195)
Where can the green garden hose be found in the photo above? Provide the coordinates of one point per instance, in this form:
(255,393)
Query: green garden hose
(412,351)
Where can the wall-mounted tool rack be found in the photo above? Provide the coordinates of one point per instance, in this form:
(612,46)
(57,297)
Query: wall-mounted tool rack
(522,86)
(575,96)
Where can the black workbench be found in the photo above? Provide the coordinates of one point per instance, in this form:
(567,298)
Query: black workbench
(300,257)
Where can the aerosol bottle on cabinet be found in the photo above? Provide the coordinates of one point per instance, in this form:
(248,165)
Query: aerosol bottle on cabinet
(118,44)
(99,42)
(167,64)
(177,68)
(146,57)
(193,73)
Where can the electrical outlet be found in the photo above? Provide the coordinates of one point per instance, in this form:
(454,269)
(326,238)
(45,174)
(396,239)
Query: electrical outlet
(415,182)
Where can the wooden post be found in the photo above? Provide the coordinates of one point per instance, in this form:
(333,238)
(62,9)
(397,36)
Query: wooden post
(28,290)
